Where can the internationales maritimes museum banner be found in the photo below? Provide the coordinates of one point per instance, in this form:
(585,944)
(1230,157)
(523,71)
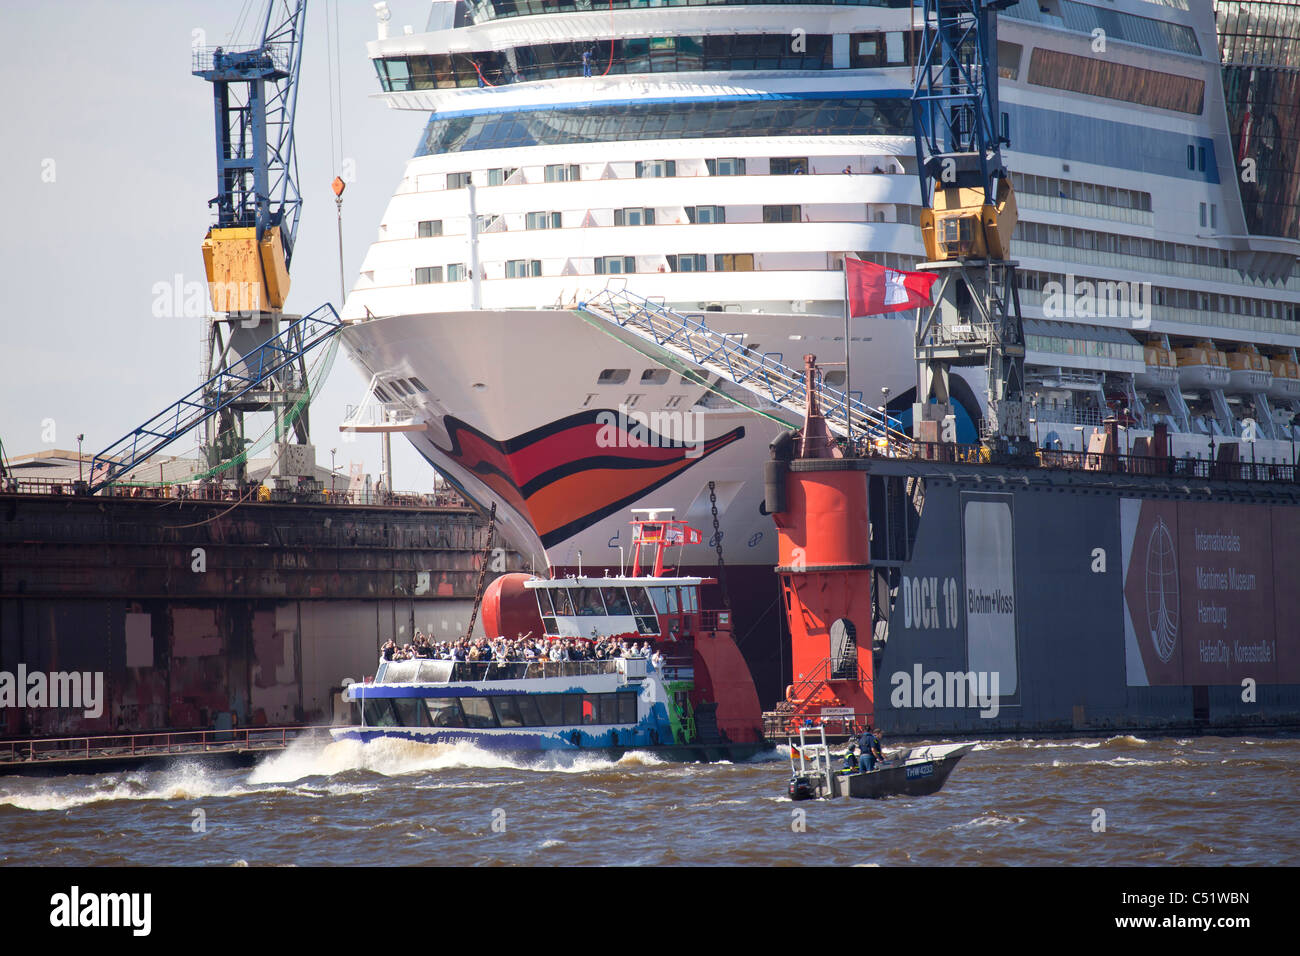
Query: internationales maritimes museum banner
(1211,593)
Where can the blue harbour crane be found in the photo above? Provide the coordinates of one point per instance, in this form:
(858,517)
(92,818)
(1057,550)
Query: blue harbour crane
(968,217)
(256,353)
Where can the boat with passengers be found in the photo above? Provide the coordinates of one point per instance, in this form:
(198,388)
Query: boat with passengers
(612,662)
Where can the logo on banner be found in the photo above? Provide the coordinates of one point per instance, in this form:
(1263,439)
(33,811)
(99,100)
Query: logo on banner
(1162,590)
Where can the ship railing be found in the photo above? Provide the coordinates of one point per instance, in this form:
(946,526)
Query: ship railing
(465,671)
(36,749)
(231,491)
(779,724)
(1170,467)
(1156,466)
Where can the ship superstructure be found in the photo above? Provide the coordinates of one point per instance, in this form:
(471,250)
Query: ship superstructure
(726,156)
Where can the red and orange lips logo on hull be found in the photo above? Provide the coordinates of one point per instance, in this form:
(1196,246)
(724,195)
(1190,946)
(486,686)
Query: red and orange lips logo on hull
(562,479)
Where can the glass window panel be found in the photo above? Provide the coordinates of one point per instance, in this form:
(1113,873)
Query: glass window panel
(410,712)
(444,712)
(627,708)
(616,602)
(507,711)
(530,712)
(380,713)
(607,708)
(551,707)
(478,712)
(573,708)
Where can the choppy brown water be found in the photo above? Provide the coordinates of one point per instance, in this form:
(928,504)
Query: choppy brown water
(1199,801)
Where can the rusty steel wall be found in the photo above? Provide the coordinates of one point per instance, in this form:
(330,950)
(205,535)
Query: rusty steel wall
(259,625)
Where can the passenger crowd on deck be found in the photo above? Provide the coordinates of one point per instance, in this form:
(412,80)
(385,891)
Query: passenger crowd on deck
(522,649)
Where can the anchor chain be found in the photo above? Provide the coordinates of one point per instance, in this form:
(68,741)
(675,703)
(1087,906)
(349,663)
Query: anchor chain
(717,543)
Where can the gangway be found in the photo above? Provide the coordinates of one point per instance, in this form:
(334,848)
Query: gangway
(228,387)
(687,345)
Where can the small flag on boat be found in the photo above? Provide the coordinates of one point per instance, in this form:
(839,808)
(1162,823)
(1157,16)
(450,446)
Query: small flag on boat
(692,536)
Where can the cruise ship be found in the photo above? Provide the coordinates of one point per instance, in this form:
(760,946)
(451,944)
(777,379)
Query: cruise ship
(724,157)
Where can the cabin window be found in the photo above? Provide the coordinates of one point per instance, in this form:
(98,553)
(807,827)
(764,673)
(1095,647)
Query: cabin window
(640,601)
(563,602)
(410,712)
(507,709)
(665,599)
(616,602)
(530,712)
(704,215)
(379,712)
(727,166)
(573,709)
(478,712)
(551,707)
(444,712)
(689,603)
(626,708)
(607,708)
(588,602)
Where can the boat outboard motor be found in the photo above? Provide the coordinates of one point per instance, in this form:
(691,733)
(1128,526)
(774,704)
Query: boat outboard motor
(801,788)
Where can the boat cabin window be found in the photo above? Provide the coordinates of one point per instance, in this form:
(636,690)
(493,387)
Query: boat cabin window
(563,602)
(640,601)
(588,602)
(478,712)
(507,709)
(514,710)
(690,602)
(647,622)
(410,712)
(547,611)
(616,602)
(445,712)
(665,599)
(379,713)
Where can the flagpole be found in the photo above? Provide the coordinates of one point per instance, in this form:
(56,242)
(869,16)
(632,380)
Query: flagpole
(848,379)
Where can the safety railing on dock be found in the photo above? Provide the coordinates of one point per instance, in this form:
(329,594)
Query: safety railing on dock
(228,492)
(782,726)
(162,743)
(1058,460)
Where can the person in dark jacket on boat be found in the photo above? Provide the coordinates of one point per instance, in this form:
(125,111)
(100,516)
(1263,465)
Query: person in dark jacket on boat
(869,745)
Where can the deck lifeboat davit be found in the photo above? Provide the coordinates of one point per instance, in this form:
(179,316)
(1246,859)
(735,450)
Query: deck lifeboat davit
(1285,384)
(1248,372)
(1202,366)
(1161,368)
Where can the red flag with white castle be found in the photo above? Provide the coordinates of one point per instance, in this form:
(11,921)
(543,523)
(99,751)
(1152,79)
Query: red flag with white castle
(874,289)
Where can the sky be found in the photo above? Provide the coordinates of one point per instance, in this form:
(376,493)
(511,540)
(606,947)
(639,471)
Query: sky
(107,163)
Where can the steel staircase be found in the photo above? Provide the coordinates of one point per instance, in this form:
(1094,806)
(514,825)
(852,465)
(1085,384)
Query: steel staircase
(687,345)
